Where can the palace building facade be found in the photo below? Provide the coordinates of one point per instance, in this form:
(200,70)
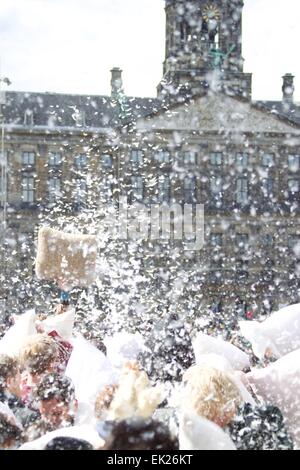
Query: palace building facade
(202,140)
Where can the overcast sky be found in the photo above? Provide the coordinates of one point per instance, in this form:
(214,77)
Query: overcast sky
(71,45)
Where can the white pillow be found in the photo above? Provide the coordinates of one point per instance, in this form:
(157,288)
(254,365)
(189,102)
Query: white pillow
(15,338)
(197,433)
(90,370)
(62,323)
(123,347)
(280,332)
(205,344)
(279,384)
(214,360)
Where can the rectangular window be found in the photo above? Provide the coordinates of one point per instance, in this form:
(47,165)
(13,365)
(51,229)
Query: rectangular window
(189,158)
(267,240)
(294,241)
(293,186)
(54,189)
(28,189)
(80,191)
(137,185)
(216,239)
(106,188)
(54,159)
(242,240)
(294,163)
(242,190)
(28,158)
(189,189)
(163,156)
(216,185)
(28,118)
(137,157)
(268,159)
(163,188)
(79,117)
(80,161)
(242,161)
(216,158)
(106,160)
(267,187)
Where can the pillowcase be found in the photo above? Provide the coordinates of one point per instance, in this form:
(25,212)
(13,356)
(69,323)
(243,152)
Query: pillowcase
(197,433)
(205,344)
(90,370)
(62,324)
(280,333)
(67,258)
(279,385)
(15,338)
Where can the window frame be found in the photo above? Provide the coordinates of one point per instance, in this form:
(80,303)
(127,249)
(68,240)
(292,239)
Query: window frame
(80,194)
(240,192)
(291,166)
(297,181)
(137,187)
(213,158)
(104,161)
(268,164)
(137,157)
(243,164)
(26,156)
(28,189)
(53,192)
(81,161)
(190,191)
(53,162)
(163,190)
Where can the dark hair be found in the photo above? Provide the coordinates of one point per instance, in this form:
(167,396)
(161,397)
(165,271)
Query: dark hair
(260,427)
(8,431)
(68,443)
(56,386)
(140,434)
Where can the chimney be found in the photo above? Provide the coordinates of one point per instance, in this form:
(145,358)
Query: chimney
(116,82)
(288,89)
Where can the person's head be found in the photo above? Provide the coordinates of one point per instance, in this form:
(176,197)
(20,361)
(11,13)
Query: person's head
(9,373)
(40,354)
(140,434)
(56,395)
(68,443)
(104,400)
(212,394)
(10,433)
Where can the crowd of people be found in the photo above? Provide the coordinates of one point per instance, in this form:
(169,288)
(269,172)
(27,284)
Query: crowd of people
(60,391)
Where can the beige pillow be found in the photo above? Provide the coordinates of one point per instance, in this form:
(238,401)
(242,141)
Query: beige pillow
(66,258)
